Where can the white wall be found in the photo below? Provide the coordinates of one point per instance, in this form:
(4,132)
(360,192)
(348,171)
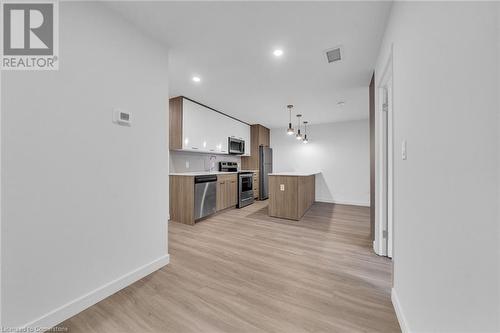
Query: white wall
(446,261)
(341,151)
(84,201)
(198,161)
(498,148)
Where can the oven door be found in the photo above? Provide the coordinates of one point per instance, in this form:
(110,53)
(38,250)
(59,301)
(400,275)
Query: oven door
(246,181)
(236,146)
(245,190)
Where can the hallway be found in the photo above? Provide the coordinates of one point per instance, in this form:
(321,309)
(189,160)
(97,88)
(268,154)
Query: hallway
(242,271)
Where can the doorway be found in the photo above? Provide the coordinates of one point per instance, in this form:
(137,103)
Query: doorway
(386,161)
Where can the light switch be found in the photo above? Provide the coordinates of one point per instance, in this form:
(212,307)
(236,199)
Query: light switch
(282,187)
(403,150)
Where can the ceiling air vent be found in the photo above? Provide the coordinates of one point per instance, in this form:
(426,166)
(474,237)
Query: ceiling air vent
(333,55)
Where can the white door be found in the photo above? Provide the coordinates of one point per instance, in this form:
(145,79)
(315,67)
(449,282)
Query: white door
(387,164)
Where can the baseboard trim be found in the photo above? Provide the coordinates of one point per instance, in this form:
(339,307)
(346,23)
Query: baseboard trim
(350,203)
(399,312)
(79,304)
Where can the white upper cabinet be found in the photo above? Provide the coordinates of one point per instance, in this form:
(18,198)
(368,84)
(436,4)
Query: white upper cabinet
(219,136)
(242,131)
(193,137)
(206,130)
(246,136)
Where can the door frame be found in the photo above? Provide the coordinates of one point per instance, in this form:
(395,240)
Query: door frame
(384,236)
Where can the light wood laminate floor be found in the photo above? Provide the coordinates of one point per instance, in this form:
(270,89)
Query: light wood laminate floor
(242,271)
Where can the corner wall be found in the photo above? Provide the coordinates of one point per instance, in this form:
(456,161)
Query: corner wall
(84,201)
(341,151)
(446,262)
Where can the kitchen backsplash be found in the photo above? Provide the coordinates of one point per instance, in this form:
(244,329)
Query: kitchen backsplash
(181,161)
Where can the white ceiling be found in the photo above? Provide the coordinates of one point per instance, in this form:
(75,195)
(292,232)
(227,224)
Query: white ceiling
(230,44)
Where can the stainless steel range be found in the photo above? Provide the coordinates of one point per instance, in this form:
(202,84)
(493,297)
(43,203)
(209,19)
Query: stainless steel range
(245,183)
(228,166)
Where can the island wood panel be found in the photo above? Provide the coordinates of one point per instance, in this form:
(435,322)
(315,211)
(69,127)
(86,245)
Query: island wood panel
(306,194)
(175,123)
(296,198)
(182,199)
(283,203)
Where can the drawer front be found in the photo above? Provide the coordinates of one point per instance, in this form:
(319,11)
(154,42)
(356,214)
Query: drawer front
(256,185)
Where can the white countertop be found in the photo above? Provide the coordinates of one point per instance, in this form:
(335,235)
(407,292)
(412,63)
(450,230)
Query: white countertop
(204,173)
(295,173)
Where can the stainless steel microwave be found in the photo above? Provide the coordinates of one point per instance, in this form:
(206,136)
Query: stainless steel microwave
(236,146)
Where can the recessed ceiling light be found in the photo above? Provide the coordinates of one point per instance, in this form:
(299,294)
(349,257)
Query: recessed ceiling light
(196,79)
(278,53)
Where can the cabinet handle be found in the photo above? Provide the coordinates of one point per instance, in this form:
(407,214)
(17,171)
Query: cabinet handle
(194,147)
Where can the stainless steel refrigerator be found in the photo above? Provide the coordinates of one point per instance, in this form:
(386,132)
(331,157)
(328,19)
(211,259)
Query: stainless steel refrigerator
(265,167)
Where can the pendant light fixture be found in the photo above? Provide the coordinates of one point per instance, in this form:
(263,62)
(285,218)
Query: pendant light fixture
(290,131)
(298,136)
(305,132)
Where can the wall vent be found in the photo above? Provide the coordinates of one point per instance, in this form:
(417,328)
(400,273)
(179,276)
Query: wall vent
(333,55)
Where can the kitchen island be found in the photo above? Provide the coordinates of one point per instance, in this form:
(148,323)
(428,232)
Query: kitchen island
(291,194)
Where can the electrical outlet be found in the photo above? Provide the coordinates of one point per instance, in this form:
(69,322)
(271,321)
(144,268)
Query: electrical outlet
(282,187)
(187,164)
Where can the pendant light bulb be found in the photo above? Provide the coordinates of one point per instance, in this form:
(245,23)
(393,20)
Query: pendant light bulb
(290,130)
(299,135)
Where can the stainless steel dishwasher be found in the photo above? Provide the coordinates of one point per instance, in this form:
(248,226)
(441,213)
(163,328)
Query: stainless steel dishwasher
(205,195)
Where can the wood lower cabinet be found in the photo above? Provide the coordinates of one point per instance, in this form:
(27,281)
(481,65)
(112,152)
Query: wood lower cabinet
(227,191)
(256,185)
(182,199)
(232,188)
(182,196)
